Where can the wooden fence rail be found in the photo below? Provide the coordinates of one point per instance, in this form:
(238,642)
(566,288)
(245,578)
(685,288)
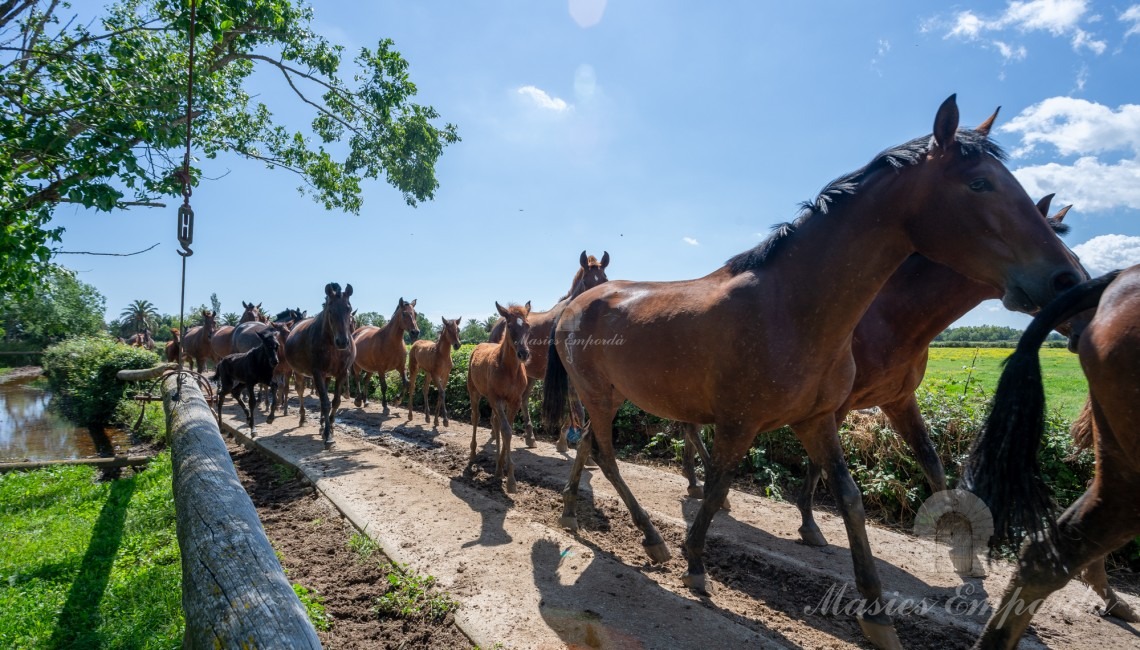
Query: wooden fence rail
(234,592)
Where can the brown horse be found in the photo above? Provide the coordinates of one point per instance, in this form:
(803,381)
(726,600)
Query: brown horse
(174,346)
(196,343)
(497,371)
(380,349)
(590,274)
(284,372)
(222,342)
(322,347)
(1004,471)
(890,345)
(141,339)
(765,340)
(434,358)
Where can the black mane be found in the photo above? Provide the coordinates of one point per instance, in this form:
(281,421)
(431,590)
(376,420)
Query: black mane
(970,143)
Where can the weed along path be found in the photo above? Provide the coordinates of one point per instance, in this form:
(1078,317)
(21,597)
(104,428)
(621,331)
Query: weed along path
(523,582)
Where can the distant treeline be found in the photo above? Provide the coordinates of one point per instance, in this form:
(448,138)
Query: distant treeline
(983,334)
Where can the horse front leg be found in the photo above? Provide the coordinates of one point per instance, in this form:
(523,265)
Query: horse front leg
(341,380)
(321,387)
(249,389)
(440,401)
(383,391)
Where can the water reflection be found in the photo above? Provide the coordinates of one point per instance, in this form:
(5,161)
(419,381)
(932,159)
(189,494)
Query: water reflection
(31,429)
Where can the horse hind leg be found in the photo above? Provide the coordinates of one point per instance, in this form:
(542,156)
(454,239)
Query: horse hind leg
(273,388)
(383,391)
(474,395)
(810,534)
(528,433)
(688,460)
(820,437)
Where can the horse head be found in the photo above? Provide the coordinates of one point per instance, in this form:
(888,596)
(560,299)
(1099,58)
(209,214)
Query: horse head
(961,175)
(451,331)
(406,316)
(518,328)
(337,314)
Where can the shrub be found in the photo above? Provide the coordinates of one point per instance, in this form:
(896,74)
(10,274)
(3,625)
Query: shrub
(82,371)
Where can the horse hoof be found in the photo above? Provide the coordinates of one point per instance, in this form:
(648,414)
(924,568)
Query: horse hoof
(658,553)
(562,447)
(812,536)
(726,505)
(511,489)
(696,582)
(530,443)
(569,523)
(881,635)
(1122,612)
(328,445)
(269,420)
(445,423)
(358,403)
(697,491)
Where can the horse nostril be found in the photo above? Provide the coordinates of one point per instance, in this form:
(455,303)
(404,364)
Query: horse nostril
(1065,280)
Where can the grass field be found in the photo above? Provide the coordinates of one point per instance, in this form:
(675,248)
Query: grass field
(87,563)
(949,370)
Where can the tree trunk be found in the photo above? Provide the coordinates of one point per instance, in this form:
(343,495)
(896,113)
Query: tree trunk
(234,592)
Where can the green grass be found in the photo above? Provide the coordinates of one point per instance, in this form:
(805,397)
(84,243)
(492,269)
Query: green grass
(412,596)
(89,564)
(314,607)
(949,369)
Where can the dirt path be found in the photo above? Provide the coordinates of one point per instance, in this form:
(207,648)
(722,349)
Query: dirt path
(525,583)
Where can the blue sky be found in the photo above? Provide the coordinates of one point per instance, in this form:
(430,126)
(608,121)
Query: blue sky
(671,134)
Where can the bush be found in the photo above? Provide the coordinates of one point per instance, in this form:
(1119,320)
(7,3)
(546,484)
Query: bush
(82,371)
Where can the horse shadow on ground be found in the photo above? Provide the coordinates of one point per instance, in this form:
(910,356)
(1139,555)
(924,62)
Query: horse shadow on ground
(783,574)
(577,612)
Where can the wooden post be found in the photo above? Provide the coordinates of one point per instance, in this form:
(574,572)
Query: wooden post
(234,592)
(102,463)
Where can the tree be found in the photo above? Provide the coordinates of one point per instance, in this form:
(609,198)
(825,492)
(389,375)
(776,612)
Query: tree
(95,112)
(474,332)
(60,307)
(139,315)
(215,304)
(375,319)
(427,330)
(230,318)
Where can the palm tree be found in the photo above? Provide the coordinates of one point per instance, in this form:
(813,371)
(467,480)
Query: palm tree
(140,314)
(230,318)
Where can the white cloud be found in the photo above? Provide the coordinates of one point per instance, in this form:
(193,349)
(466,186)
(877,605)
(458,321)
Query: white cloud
(1077,126)
(544,100)
(1102,254)
(587,13)
(1059,18)
(690,241)
(1088,183)
(1131,15)
(1010,53)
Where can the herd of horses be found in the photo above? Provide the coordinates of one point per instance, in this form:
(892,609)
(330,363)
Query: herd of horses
(832,312)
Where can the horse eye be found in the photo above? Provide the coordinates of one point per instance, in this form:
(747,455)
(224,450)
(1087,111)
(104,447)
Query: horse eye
(981,185)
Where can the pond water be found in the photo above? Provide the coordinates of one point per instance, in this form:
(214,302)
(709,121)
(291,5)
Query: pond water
(32,429)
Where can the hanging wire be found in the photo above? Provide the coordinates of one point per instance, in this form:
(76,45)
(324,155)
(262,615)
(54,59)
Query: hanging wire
(185,213)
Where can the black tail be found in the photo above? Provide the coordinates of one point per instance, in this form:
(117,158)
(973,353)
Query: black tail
(555,386)
(1002,468)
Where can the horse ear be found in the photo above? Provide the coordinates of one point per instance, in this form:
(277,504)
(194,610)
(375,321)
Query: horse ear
(984,127)
(413,303)
(527,308)
(347,290)
(329,290)
(583,260)
(1043,204)
(457,320)
(502,312)
(605,259)
(946,123)
(1060,216)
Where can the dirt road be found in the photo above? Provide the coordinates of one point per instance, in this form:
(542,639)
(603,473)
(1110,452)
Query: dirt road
(525,583)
